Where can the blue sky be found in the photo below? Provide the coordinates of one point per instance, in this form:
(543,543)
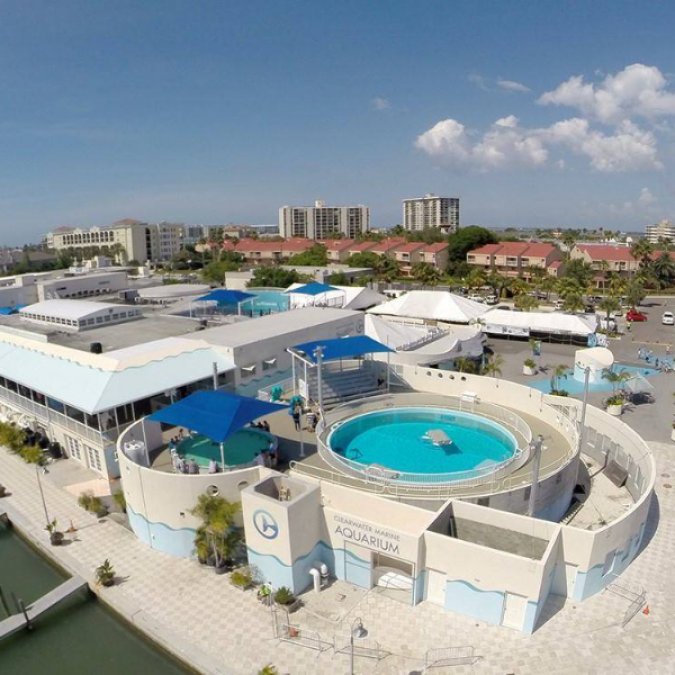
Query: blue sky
(533,113)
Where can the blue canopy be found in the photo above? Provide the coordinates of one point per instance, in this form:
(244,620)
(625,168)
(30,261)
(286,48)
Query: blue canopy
(226,297)
(342,348)
(313,288)
(216,414)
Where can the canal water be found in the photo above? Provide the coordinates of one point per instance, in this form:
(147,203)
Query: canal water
(79,636)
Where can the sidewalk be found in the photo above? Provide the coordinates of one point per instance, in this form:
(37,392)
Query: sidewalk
(220,629)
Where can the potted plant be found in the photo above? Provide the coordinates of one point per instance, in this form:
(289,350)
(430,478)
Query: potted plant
(614,405)
(529,367)
(105,574)
(55,537)
(285,598)
(265,594)
(242,578)
(269,669)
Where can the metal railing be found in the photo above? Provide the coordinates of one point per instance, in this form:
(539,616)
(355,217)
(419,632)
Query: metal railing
(520,432)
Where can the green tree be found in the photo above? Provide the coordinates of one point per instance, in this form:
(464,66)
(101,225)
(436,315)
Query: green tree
(559,373)
(635,292)
(276,277)
(387,268)
(466,239)
(498,282)
(493,366)
(476,278)
(663,269)
(316,256)
(580,271)
(642,251)
(364,259)
(525,302)
(426,273)
(465,365)
(217,533)
(609,305)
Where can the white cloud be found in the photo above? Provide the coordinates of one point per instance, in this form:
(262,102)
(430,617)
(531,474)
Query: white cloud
(380,103)
(635,91)
(503,144)
(511,85)
(479,81)
(506,144)
(646,197)
(629,148)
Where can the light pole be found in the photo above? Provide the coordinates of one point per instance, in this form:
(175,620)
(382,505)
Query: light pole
(42,494)
(356,632)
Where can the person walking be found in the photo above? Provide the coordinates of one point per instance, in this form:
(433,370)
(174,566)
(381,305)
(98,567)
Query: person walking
(296,417)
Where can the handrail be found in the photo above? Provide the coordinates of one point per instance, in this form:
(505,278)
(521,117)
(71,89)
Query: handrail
(469,477)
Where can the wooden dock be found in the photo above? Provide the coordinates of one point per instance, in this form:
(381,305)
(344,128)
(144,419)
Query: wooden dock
(19,621)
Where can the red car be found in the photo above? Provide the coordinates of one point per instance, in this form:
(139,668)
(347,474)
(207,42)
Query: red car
(634,315)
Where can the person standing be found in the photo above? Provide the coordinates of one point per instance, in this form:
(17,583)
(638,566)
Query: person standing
(296,416)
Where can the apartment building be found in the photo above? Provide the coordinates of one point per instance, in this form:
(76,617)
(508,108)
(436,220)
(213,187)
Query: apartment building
(662,231)
(323,222)
(431,211)
(137,240)
(607,258)
(517,259)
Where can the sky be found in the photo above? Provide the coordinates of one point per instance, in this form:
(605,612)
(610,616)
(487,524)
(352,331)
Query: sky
(532,113)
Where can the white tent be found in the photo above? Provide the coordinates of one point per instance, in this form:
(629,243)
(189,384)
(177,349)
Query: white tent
(422,345)
(432,305)
(347,297)
(521,324)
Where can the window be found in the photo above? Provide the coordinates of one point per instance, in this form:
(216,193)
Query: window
(93,458)
(74,448)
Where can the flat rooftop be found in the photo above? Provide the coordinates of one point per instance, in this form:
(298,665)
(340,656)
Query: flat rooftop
(273,325)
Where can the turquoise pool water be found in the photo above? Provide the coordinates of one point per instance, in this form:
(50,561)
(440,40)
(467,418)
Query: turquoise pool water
(397,439)
(240,448)
(266,302)
(575,387)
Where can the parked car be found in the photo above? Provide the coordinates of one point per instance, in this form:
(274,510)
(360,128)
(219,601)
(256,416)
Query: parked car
(559,304)
(491,300)
(476,298)
(634,315)
(503,307)
(668,319)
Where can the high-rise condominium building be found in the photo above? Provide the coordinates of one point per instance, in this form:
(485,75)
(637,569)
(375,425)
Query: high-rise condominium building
(431,211)
(664,230)
(323,222)
(129,239)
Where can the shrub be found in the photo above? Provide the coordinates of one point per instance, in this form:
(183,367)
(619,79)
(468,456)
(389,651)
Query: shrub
(284,596)
(530,363)
(87,500)
(105,574)
(31,454)
(120,500)
(241,578)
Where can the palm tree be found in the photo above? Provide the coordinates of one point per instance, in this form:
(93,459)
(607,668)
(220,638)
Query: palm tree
(642,251)
(525,302)
(476,278)
(559,372)
(217,531)
(548,284)
(664,269)
(615,379)
(426,273)
(609,305)
(465,365)
(387,268)
(635,292)
(493,366)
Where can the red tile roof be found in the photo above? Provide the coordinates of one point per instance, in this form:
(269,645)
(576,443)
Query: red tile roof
(387,245)
(556,264)
(487,249)
(410,247)
(297,245)
(539,250)
(362,246)
(249,245)
(435,248)
(607,252)
(512,248)
(337,244)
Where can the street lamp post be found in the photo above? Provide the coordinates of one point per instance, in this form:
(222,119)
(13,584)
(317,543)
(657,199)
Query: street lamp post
(356,632)
(42,494)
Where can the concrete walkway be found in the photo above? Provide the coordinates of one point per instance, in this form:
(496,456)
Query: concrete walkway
(220,629)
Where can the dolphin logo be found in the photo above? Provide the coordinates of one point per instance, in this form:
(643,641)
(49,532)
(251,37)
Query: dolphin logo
(265,524)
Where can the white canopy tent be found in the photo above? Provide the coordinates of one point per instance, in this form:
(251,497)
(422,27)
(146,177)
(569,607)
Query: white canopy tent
(425,345)
(523,324)
(347,297)
(432,306)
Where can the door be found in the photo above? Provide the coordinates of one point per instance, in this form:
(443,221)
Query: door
(514,611)
(435,587)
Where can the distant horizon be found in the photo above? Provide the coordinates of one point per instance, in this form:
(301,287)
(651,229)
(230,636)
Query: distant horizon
(228,111)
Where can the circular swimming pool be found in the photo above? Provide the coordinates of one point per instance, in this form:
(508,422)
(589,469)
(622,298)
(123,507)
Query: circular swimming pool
(240,448)
(422,444)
